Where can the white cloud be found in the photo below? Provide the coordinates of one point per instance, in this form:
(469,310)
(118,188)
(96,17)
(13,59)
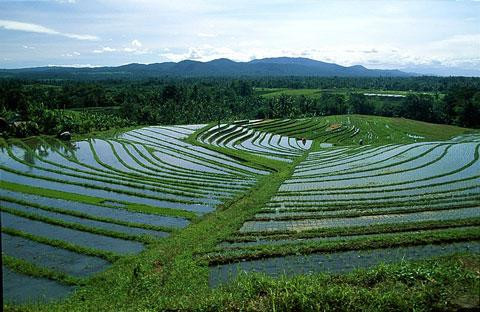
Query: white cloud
(206,35)
(136,47)
(471,40)
(74,65)
(394,35)
(13,25)
(104,49)
(136,43)
(378,57)
(73,54)
(207,53)
(80,37)
(370,51)
(35,28)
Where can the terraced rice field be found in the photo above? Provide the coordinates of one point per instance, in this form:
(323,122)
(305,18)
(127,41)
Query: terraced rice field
(68,211)
(342,196)
(346,130)
(244,136)
(354,192)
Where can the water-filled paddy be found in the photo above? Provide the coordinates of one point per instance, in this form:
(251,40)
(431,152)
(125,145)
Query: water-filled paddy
(81,221)
(84,239)
(106,197)
(97,199)
(98,211)
(20,288)
(308,224)
(339,262)
(50,257)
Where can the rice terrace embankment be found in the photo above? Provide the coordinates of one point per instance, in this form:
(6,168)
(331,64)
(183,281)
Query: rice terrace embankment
(181,217)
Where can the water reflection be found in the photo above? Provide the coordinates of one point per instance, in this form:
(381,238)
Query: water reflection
(29,156)
(29,149)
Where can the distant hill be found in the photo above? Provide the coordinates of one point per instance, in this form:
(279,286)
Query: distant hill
(280,66)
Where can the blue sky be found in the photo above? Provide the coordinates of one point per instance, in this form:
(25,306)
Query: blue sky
(441,37)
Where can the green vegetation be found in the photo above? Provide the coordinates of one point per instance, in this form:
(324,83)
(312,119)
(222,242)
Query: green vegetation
(274,92)
(51,107)
(28,268)
(399,287)
(341,244)
(109,256)
(350,129)
(92,200)
(251,191)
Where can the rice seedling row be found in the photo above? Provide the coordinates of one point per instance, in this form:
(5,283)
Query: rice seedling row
(260,143)
(99,212)
(103,199)
(339,262)
(278,240)
(87,224)
(308,224)
(53,258)
(78,237)
(169,180)
(386,195)
(372,191)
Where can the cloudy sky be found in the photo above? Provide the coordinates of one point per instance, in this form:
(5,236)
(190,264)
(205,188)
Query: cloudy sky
(441,37)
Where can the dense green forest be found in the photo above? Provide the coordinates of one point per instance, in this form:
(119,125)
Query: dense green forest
(53,106)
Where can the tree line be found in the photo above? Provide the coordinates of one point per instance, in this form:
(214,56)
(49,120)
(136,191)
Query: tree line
(54,106)
(417,84)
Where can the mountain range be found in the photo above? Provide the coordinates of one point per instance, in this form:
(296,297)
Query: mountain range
(280,66)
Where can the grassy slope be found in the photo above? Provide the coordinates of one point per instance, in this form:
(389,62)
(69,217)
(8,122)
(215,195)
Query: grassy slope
(275,92)
(269,93)
(106,134)
(170,276)
(378,130)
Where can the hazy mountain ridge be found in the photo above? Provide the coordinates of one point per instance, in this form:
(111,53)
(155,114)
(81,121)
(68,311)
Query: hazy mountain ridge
(281,66)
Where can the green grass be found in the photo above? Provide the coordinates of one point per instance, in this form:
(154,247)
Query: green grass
(444,284)
(172,273)
(357,230)
(24,267)
(97,109)
(77,226)
(373,130)
(86,216)
(275,92)
(94,200)
(107,255)
(241,156)
(363,243)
